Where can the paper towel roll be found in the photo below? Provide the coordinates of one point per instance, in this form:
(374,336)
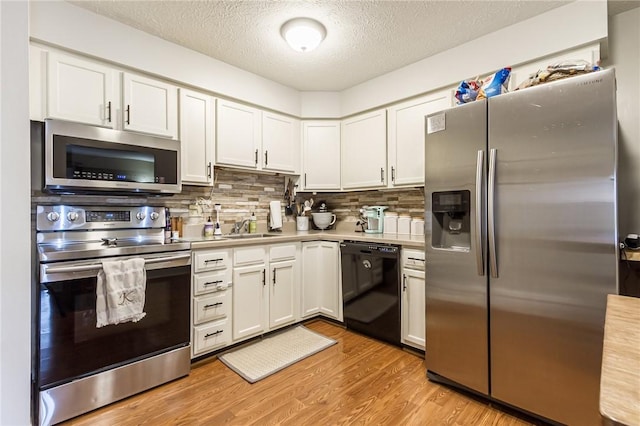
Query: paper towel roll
(275,215)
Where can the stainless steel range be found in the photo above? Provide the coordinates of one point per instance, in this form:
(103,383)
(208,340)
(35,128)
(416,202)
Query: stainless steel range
(81,366)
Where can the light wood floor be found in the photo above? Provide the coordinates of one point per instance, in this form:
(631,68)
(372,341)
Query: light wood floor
(357,381)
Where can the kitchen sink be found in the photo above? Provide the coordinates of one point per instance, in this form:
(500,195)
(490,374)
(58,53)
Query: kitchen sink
(244,236)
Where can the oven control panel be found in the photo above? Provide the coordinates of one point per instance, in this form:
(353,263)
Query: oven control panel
(67,218)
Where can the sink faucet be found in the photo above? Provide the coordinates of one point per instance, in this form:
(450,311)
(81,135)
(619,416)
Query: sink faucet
(239,227)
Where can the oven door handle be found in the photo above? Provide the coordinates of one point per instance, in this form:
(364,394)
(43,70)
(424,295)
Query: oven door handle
(98,266)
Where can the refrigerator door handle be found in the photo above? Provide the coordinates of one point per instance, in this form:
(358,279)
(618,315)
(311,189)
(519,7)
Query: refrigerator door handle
(479,184)
(493,262)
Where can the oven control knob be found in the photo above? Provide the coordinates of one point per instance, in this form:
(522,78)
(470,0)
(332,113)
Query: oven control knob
(140,216)
(72,216)
(53,216)
(154,215)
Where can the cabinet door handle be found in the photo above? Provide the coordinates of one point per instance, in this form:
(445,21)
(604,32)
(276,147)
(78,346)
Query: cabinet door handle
(274,276)
(404,282)
(393,174)
(382,174)
(212,305)
(109,111)
(128,120)
(264,277)
(213,334)
(266,158)
(209,170)
(305,181)
(256,157)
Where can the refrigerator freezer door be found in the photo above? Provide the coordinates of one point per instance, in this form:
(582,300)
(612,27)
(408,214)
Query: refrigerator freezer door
(555,227)
(456,291)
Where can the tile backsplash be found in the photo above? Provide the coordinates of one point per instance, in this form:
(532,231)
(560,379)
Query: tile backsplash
(241,192)
(346,205)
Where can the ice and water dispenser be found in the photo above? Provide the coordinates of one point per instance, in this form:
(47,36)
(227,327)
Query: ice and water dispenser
(451,224)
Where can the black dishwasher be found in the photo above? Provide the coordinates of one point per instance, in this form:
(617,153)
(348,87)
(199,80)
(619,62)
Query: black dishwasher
(371,289)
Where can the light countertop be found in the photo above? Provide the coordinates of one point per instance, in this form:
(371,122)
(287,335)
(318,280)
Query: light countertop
(620,376)
(406,241)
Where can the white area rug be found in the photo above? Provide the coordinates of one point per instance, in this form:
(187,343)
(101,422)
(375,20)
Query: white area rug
(275,352)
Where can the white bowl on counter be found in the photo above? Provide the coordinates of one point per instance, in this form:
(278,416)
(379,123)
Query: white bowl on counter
(323,220)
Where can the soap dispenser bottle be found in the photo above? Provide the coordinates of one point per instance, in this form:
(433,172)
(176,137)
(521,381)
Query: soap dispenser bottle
(208,228)
(253,224)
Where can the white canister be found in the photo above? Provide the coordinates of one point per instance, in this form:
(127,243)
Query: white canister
(417,226)
(390,223)
(404,225)
(302,223)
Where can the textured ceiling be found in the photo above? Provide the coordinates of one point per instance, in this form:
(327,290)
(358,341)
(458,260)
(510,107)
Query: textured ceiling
(364,39)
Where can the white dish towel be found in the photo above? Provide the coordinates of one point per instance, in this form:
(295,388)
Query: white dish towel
(120,292)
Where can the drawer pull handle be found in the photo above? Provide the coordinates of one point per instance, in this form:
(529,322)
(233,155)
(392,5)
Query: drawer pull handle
(213,260)
(215,333)
(213,305)
(213,282)
(415,258)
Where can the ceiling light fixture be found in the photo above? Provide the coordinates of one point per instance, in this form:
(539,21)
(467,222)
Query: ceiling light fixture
(303,34)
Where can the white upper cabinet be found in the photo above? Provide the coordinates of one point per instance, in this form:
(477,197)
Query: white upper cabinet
(239,130)
(197,124)
(406,137)
(87,92)
(81,90)
(253,139)
(321,155)
(280,143)
(149,106)
(364,151)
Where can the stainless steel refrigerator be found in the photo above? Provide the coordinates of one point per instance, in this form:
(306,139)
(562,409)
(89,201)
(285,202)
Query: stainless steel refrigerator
(521,245)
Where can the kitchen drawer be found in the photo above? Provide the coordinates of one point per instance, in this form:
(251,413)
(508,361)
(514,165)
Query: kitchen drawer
(212,306)
(211,260)
(282,252)
(413,259)
(211,336)
(249,255)
(211,281)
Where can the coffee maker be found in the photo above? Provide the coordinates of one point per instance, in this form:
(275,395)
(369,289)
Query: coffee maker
(374,218)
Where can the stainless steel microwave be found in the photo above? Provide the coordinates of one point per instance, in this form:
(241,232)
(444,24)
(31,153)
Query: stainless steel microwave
(88,159)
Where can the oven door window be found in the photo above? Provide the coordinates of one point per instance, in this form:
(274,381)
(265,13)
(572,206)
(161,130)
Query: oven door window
(72,347)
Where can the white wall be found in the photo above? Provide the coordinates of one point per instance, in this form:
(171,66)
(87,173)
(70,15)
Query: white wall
(15,263)
(624,50)
(320,104)
(62,24)
(560,29)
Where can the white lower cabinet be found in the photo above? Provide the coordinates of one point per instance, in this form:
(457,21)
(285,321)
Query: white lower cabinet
(212,300)
(321,287)
(250,296)
(413,299)
(265,289)
(283,284)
